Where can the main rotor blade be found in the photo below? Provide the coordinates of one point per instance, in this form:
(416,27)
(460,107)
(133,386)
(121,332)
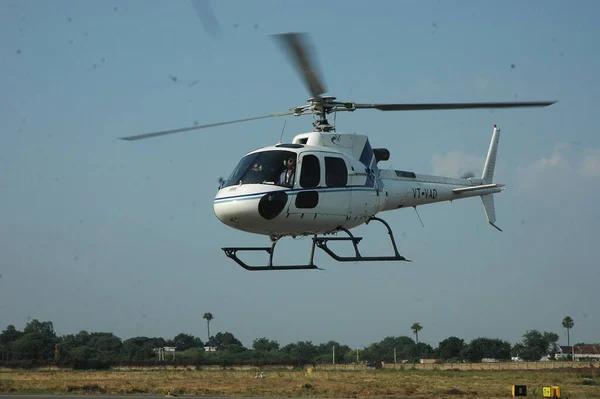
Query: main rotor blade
(207,17)
(186,129)
(300,52)
(441,106)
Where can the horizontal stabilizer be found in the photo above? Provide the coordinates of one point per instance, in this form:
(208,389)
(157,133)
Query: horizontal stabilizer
(490,210)
(474,188)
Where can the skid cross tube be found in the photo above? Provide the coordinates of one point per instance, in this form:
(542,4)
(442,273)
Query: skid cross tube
(231,252)
(321,242)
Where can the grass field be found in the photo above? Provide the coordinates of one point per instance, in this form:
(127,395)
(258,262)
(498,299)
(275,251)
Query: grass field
(574,383)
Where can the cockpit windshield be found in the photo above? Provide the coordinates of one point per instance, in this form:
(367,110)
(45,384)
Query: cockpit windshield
(266,167)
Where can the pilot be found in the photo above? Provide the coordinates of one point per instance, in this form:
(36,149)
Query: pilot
(257,167)
(286,178)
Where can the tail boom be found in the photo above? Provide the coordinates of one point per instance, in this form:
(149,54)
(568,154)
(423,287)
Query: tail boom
(401,193)
(407,189)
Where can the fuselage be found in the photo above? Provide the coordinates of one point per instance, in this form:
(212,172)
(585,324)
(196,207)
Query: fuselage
(336,183)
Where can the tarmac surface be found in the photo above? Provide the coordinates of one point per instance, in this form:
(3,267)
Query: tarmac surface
(45,396)
(59,396)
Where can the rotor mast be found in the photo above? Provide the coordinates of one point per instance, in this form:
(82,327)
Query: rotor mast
(321,107)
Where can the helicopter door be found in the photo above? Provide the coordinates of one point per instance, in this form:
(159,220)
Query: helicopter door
(321,193)
(309,180)
(316,206)
(335,199)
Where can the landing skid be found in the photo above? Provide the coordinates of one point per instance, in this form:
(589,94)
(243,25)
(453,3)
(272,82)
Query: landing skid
(231,252)
(320,242)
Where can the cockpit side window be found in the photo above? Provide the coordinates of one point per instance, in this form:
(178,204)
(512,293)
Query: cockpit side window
(336,172)
(310,175)
(266,167)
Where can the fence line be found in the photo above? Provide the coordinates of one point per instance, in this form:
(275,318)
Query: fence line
(468,366)
(358,367)
(399,366)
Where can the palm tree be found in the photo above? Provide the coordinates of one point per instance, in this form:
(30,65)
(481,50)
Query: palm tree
(416,327)
(208,316)
(568,324)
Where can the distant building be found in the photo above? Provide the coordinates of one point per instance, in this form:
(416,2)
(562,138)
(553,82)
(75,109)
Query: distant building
(161,351)
(210,349)
(580,352)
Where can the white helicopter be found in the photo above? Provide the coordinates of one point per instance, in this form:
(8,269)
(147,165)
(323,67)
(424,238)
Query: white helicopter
(325,182)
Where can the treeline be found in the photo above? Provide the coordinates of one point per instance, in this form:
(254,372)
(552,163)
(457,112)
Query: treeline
(38,344)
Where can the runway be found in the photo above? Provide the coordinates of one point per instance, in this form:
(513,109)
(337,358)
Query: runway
(46,396)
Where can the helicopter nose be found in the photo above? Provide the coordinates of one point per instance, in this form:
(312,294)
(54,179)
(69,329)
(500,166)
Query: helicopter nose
(250,212)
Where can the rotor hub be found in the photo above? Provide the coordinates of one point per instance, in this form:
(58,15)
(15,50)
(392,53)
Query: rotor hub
(321,100)
(320,107)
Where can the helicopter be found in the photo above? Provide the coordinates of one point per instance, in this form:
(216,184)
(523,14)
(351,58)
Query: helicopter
(323,182)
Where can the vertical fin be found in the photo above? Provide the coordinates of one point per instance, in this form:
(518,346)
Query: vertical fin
(490,161)
(490,210)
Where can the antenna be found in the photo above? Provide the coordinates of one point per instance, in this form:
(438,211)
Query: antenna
(334,118)
(282,130)
(419,216)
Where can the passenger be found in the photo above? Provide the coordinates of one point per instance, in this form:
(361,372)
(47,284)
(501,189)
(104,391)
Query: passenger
(287,176)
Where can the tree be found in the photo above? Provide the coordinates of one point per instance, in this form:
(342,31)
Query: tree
(301,352)
(568,324)
(326,350)
(208,316)
(94,346)
(265,345)
(352,356)
(186,341)
(33,346)
(536,345)
(404,347)
(552,339)
(227,342)
(450,348)
(43,328)
(480,348)
(139,348)
(37,341)
(424,351)
(416,327)
(10,335)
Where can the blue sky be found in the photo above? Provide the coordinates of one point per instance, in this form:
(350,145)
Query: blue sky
(106,235)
